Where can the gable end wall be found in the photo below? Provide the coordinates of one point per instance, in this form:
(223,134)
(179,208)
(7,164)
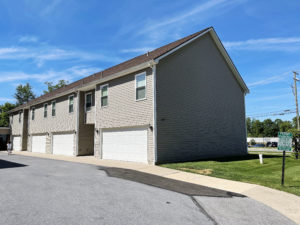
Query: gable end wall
(200,105)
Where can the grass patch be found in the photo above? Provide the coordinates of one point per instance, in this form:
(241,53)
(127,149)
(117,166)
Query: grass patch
(248,169)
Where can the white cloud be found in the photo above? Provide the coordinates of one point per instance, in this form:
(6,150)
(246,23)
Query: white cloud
(69,74)
(270,80)
(50,7)
(137,50)
(28,39)
(7,99)
(270,44)
(180,17)
(42,54)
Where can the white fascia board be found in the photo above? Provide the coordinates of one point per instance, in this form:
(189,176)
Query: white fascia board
(229,61)
(154,115)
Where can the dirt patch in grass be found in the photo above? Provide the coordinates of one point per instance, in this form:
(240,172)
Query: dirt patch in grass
(204,171)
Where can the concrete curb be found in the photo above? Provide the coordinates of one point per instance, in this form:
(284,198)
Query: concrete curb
(285,203)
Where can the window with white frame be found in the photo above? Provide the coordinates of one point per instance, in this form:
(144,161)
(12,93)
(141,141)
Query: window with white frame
(88,102)
(20,117)
(45,110)
(140,86)
(104,95)
(32,113)
(53,111)
(71,103)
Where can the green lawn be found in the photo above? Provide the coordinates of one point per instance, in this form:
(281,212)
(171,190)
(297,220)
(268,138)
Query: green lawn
(248,169)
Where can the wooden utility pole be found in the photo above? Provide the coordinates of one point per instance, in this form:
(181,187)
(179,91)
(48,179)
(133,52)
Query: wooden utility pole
(296,98)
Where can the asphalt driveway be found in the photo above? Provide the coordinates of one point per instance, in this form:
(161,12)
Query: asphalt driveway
(42,191)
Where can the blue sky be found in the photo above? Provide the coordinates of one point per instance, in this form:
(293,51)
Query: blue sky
(69,39)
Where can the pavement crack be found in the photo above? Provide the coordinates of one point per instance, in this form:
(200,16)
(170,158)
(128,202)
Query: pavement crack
(202,210)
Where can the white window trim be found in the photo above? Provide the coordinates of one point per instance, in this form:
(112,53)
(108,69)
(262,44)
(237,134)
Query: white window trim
(44,111)
(101,95)
(52,108)
(69,104)
(139,74)
(33,112)
(86,94)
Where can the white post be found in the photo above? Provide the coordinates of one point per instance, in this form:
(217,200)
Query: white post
(261,160)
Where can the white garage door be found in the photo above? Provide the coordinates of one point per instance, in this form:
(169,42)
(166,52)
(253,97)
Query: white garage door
(39,143)
(17,143)
(125,144)
(63,144)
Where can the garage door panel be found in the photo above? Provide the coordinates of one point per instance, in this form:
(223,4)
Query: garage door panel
(63,144)
(39,143)
(127,145)
(17,143)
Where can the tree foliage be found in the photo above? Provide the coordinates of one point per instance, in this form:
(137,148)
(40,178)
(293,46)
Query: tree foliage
(4,117)
(267,127)
(24,94)
(52,87)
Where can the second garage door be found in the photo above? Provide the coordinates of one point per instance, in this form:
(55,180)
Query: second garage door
(17,143)
(125,144)
(39,143)
(63,144)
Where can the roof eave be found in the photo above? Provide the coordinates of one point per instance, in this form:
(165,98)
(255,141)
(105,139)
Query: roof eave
(92,84)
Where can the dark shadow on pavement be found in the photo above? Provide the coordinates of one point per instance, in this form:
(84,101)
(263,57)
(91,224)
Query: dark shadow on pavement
(7,164)
(167,184)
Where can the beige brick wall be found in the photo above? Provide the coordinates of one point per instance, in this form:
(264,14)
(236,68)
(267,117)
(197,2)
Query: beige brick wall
(123,110)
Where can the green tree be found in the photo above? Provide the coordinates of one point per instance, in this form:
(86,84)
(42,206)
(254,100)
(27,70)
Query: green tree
(257,128)
(52,87)
(4,117)
(269,128)
(24,94)
(285,126)
(295,122)
(249,127)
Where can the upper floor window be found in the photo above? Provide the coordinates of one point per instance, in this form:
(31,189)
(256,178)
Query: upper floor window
(20,117)
(104,95)
(32,113)
(88,101)
(140,86)
(12,119)
(71,103)
(53,108)
(45,110)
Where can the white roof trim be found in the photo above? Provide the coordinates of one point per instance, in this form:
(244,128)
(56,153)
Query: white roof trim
(221,49)
(229,61)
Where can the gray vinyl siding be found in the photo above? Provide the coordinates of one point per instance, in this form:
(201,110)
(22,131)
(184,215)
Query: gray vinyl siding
(90,115)
(200,105)
(17,128)
(85,131)
(62,122)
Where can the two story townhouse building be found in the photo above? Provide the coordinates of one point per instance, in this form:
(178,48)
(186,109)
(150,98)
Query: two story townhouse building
(183,101)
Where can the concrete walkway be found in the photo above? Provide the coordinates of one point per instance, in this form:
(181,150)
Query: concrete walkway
(285,203)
